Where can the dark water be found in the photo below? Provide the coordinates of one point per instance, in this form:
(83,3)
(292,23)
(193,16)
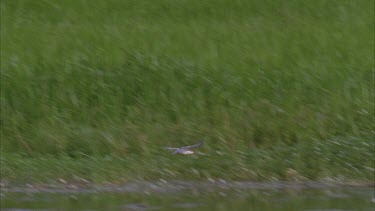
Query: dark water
(213,197)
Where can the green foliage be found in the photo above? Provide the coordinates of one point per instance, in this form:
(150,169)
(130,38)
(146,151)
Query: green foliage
(331,160)
(123,78)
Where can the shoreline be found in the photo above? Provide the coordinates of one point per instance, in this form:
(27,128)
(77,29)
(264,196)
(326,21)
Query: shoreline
(173,186)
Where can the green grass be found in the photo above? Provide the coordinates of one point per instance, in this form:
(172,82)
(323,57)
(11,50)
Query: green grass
(331,161)
(119,79)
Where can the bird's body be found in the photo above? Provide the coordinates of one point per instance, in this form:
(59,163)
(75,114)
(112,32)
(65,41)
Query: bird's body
(184,152)
(187,150)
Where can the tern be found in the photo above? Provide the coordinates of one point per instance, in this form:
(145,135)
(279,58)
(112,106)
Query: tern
(187,150)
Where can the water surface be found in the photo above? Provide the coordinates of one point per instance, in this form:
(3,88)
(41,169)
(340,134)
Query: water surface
(190,196)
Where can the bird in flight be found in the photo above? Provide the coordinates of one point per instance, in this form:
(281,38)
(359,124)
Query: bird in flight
(187,150)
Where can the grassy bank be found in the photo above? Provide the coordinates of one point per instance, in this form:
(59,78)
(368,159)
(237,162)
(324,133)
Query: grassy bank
(116,80)
(335,160)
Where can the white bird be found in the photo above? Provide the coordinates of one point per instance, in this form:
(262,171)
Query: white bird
(187,150)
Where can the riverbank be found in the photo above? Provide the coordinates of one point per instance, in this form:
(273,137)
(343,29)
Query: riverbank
(173,186)
(279,90)
(336,160)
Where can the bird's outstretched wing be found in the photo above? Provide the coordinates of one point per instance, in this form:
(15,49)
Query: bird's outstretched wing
(171,148)
(193,146)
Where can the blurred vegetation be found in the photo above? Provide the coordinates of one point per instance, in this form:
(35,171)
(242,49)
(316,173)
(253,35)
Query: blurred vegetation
(334,160)
(120,79)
